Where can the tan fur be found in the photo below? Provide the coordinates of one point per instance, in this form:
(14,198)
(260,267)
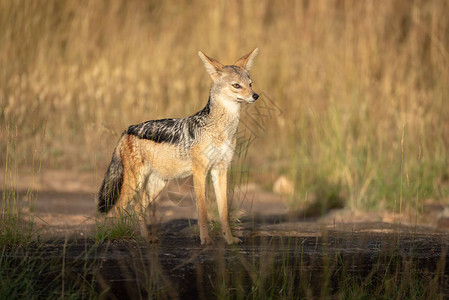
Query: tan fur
(246,61)
(148,165)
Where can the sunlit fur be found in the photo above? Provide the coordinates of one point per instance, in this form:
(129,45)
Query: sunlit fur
(151,153)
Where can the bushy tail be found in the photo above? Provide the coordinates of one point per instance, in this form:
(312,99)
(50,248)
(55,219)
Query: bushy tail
(112,184)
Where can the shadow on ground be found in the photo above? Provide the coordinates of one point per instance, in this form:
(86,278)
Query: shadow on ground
(328,263)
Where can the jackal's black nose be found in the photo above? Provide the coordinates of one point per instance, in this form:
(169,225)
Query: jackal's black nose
(255,96)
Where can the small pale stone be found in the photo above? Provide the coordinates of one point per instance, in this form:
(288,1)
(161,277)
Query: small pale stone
(283,186)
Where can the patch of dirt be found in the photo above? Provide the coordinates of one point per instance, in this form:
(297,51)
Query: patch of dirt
(179,268)
(65,201)
(63,207)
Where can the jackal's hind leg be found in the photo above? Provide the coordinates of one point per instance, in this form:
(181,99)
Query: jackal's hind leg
(128,192)
(153,186)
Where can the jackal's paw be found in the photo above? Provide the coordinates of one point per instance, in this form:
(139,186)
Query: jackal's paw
(206,241)
(233,240)
(152,239)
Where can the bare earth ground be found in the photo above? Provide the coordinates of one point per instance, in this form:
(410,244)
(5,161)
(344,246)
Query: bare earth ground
(63,207)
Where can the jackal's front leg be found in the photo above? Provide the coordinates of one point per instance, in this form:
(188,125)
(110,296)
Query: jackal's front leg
(219,179)
(199,182)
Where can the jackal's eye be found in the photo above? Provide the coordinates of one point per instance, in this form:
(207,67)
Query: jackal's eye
(236,85)
(251,84)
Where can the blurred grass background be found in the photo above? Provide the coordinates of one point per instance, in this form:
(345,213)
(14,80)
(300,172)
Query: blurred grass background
(362,87)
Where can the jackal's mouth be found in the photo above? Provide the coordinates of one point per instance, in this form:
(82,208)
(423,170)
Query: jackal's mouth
(241,100)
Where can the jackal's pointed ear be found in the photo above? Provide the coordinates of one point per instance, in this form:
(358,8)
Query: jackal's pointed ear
(213,66)
(246,61)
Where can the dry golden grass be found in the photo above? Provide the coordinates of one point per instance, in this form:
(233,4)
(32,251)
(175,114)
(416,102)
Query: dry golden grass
(350,78)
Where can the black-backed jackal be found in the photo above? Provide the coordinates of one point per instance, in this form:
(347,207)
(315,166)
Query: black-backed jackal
(151,153)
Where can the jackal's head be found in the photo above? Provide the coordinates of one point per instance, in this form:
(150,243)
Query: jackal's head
(231,83)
